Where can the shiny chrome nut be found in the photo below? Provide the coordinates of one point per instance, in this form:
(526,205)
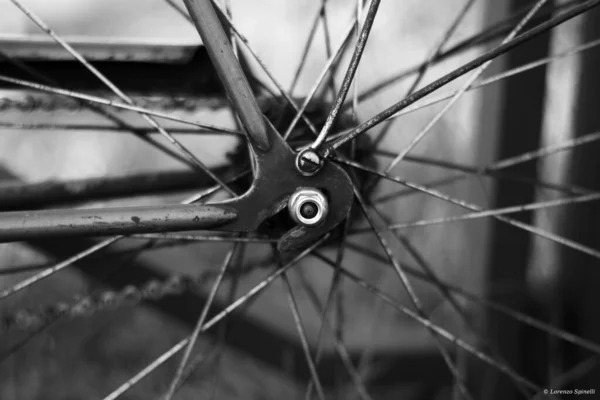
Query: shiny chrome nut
(308,207)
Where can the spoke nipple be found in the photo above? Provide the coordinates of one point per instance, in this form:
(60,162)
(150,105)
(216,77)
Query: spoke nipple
(308,206)
(308,162)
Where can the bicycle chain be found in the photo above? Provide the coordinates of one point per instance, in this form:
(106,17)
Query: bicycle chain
(26,319)
(31,319)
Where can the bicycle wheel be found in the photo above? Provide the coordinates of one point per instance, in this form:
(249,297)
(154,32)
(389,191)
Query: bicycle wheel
(393,277)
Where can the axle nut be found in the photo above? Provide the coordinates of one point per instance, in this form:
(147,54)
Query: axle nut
(308,207)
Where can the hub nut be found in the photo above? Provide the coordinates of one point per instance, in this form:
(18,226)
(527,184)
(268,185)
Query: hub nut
(308,206)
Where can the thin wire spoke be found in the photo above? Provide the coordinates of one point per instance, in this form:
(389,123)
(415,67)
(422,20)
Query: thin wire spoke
(264,67)
(111,103)
(328,45)
(327,69)
(490,34)
(446,293)
(488,56)
(516,160)
(58,267)
(341,349)
(213,321)
(470,80)
(108,83)
(490,304)
(307,44)
(433,55)
(502,76)
(359,7)
(202,359)
(356,57)
(487,213)
(472,207)
(100,111)
(483,171)
(194,336)
(399,269)
(302,335)
(333,296)
(430,325)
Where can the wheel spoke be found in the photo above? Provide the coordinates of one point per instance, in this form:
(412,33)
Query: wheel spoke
(488,213)
(490,304)
(433,55)
(341,349)
(267,71)
(111,103)
(328,69)
(490,55)
(471,79)
(307,44)
(431,326)
(490,34)
(472,207)
(213,321)
(193,159)
(104,113)
(399,269)
(302,334)
(356,57)
(501,76)
(194,336)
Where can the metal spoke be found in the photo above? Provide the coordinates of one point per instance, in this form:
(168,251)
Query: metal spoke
(341,349)
(213,321)
(328,45)
(194,336)
(399,269)
(431,326)
(490,55)
(199,164)
(489,304)
(307,44)
(327,69)
(105,113)
(58,267)
(358,52)
(302,334)
(264,67)
(487,213)
(493,168)
(433,55)
(490,34)
(472,207)
(463,88)
(501,76)
(333,296)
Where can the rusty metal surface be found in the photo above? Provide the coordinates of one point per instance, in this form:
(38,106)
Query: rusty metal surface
(42,47)
(28,196)
(23,225)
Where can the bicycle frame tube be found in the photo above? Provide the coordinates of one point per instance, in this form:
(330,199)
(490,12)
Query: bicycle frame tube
(27,225)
